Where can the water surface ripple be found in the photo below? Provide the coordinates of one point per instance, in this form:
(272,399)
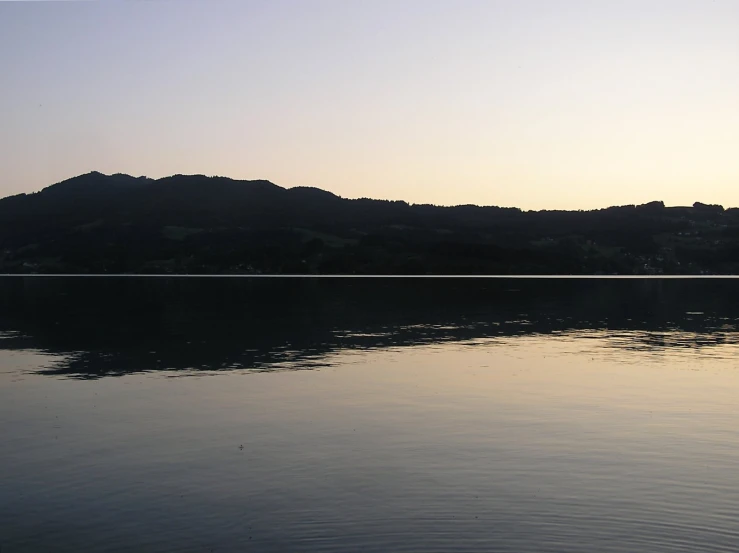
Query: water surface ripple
(368,415)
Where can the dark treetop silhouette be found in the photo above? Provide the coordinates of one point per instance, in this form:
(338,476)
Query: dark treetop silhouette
(194,224)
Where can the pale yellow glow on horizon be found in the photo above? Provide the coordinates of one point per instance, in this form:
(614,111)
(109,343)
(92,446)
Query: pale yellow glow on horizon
(540,105)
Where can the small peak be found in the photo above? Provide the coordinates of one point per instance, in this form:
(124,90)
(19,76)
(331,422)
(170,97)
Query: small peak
(312,191)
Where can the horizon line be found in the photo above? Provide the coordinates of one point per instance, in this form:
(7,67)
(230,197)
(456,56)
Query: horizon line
(95,172)
(499,277)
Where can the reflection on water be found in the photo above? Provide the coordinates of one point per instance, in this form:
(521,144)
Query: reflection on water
(452,415)
(106,327)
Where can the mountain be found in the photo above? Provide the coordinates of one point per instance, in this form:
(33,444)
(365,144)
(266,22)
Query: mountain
(194,224)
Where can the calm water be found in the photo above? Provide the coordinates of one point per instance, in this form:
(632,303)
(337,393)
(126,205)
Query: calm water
(369,415)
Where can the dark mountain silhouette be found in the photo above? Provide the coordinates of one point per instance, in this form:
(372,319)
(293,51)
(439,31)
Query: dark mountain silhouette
(96,223)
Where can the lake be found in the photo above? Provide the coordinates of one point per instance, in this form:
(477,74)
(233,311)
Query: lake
(377,415)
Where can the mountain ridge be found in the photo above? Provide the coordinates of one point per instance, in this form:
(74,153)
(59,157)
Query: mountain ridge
(198,224)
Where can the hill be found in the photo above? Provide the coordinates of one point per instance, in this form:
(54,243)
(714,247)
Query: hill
(193,224)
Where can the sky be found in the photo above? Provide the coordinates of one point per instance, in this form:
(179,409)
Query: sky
(538,104)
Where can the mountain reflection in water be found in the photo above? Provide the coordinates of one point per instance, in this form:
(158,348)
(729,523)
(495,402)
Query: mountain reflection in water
(115,326)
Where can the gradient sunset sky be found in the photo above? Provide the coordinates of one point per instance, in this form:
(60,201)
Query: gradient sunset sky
(529,103)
